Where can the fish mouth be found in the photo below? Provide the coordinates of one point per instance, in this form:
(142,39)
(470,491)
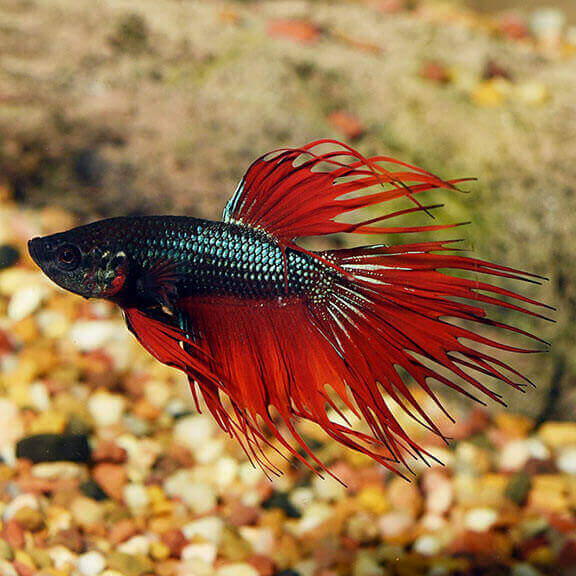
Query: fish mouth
(35,249)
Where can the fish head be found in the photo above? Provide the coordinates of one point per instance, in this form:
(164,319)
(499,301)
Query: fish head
(81,263)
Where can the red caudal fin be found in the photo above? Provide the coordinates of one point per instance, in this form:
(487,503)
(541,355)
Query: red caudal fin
(296,192)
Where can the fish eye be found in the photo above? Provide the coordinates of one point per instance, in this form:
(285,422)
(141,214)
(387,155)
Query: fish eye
(68,257)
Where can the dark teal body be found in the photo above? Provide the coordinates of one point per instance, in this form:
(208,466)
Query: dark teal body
(206,258)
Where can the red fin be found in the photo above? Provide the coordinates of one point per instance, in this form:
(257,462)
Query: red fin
(275,361)
(165,341)
(399,310)
(287,193)
(175,347)
(261,365)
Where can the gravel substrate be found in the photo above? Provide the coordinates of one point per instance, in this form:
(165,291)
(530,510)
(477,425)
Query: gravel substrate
(107,469)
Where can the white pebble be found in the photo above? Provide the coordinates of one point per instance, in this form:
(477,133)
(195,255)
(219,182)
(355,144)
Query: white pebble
(251,497)
(60,471)
(93,334)
(157,393)
(199,497)
(204,551)
(193,431)
(25,302)
(548,23)
(8,455)
(514,455)
(100,309)
(566,460)
(225,471)
(12,427)
(315,515)
(62,558)
(328,489)
(261,539)
(39,396)
(439,492)
(91,563)
(136,498)
(250,475)
(237,569)
(210,451)
(538,449)
(208,529)
(106,409)
(427,545)
(432,522)
(136,546)
(52,324)
(131,444)
(19,502)
(301,497)
(142,452)
(480,519)
(395,523)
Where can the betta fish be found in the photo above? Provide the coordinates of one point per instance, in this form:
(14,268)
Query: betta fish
(270,333)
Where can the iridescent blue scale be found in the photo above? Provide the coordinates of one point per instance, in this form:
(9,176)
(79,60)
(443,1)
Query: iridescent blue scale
(217,258)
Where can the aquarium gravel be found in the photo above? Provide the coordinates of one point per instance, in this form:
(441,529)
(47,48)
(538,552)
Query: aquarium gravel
(107,468)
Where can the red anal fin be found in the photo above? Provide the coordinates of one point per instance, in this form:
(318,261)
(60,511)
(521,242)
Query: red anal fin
(276,361)
(175,347)
(164,341)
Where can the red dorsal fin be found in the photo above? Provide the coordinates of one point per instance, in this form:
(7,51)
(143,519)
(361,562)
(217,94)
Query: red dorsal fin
(295,192)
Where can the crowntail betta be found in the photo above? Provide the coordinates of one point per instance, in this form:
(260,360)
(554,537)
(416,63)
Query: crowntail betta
(270,333)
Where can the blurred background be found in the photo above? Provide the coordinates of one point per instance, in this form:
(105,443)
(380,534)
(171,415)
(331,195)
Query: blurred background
(122,108)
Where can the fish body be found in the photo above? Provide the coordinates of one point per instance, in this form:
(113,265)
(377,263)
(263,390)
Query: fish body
(191,257)
(270,333)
